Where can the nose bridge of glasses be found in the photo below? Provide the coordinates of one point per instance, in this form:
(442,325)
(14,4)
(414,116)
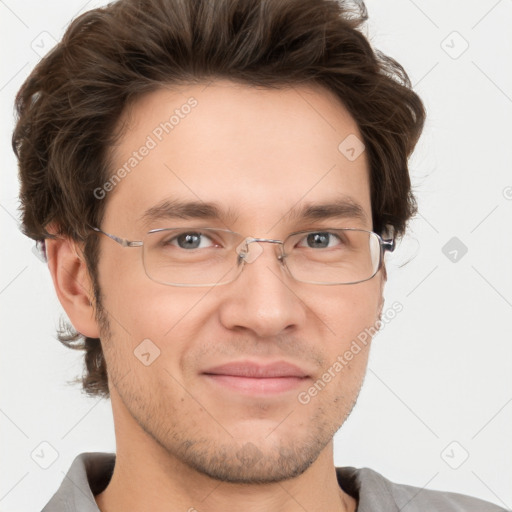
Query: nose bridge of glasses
(249,254)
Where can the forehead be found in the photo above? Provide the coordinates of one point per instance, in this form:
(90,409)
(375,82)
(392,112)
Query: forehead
(254,152)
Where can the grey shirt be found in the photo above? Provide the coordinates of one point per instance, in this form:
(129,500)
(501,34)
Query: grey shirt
(90,474)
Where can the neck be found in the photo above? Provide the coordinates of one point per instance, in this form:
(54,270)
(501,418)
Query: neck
(148,477)
(141,482)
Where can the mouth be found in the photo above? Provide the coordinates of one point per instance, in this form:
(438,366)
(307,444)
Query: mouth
(261,379)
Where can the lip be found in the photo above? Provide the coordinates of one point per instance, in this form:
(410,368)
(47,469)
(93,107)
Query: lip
(252,378)
(251,369)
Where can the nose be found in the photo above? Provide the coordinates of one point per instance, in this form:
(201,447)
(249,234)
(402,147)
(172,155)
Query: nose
(263,299)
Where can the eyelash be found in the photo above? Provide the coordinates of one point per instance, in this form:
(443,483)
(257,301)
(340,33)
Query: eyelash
(204,235)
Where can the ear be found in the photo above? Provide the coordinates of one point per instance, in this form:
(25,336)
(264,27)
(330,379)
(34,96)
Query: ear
(72,283)
(383,273)
(383,278)
(381,306)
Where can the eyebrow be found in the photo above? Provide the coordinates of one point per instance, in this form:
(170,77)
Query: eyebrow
(169,209)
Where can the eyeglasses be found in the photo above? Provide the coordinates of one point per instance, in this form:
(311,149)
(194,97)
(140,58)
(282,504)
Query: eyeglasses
(213,257)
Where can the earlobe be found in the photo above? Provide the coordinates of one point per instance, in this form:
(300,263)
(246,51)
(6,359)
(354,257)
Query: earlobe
(73,284)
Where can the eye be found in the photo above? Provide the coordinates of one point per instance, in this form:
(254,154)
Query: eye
(320,240)
(190,240)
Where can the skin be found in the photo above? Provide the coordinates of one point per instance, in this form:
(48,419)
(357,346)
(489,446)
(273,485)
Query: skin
(182,442)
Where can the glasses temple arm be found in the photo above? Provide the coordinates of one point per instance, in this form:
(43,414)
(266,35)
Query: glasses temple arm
(389,245)
(120,241)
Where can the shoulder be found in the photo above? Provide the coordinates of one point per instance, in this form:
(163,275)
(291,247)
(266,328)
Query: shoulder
(375,492)
(88,475)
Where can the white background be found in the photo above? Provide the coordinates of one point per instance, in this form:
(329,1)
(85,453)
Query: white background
(438,386)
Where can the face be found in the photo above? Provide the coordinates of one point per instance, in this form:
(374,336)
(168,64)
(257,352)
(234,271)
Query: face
(257,153)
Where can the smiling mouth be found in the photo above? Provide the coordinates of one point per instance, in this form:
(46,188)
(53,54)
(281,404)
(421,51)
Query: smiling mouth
(252,378)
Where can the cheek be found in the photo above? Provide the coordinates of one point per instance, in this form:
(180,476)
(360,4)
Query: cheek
(171,318)
(347,311)
(351,315)
(134,310)
(151,310)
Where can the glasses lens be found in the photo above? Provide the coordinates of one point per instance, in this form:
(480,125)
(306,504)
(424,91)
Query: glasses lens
(337,256)
(209,256)
(191,257)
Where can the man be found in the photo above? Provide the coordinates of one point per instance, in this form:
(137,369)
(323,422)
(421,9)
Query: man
(217,184)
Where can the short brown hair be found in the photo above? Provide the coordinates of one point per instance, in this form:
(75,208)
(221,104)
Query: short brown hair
(69,106)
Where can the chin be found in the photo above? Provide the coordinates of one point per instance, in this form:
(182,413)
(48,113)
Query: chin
(255,462)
